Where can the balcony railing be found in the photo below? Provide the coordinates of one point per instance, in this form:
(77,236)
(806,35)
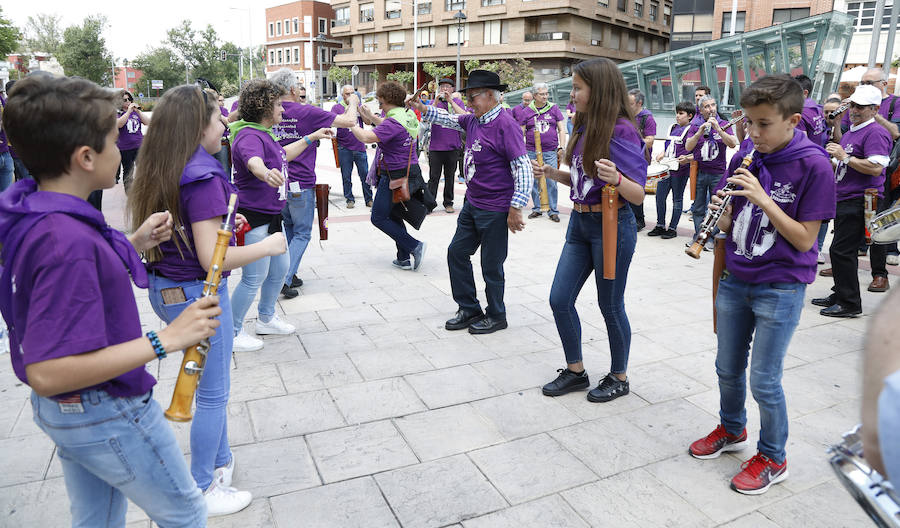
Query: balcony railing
(392,14)
(343,50)
(367,16)
(556,35)
(487,3)
(337,22)
(425,8)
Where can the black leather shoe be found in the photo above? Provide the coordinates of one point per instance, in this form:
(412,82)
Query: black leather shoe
(609,389)
(824,302)
(296,282)
(487,325)
(836,310)
(656,231)
(534,214)
(463,319)
(566,382)
(288,293)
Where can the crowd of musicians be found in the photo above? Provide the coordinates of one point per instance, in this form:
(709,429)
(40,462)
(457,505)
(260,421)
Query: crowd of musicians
(82,351)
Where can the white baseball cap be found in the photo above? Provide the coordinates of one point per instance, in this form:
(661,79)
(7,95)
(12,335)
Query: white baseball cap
(866,95)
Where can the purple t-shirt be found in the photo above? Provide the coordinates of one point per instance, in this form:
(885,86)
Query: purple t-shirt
(396,145)
(94,309)
(571,107)
(884,110)
(490,148)
(444,139)
(4,144)
(801,185)
(674,147)
(226,132)
(870,140)
(547,123)
(235,105)
(130,135)
(645,122)
(518,110)
(254,194)
(345,138)
(204,195)
(812,121)
(709,152)
(586,188)
(297,121)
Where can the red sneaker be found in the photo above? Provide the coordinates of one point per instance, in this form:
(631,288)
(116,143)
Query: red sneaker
(758,474)
(717,442)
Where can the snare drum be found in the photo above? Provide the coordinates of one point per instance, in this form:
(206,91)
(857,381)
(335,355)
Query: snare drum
(873,492)
(655,173)
(885,226)
(671,163)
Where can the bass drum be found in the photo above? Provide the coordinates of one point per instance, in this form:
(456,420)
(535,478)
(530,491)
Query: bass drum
(885,226)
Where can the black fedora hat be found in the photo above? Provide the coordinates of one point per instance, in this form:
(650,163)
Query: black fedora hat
(484,79)
(446,80)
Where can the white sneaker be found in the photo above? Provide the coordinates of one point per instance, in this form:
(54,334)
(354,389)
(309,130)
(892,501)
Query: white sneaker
(821,259)
(275,326)
(893,260)
(225,473)
(244,342)
(225,500)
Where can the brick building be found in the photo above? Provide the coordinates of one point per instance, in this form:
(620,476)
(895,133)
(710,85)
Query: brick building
(298,36)
(551,34)
(130,79)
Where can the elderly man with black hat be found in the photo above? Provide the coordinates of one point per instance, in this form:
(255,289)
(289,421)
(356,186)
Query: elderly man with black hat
(443,152)
(499,179)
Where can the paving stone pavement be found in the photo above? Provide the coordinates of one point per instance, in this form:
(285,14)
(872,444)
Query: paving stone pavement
(373,415)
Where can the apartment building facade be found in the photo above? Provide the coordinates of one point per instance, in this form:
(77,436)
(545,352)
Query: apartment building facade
(378,35)
(696,21)
(298,37)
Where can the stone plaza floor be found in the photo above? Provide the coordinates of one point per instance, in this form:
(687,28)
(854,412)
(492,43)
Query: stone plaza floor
(373,415)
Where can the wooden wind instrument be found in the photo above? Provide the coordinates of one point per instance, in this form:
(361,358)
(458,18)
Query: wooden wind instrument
(542,182)
(609,204)
(712,217)
(195,357)
(334,147)
(718,269)
(322,190)
(695,167)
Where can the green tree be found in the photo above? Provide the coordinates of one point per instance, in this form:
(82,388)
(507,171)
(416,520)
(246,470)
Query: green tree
(339,75)
(43,33)
(517,75)
(472,64)
(438,72)
(162,64)
(9,36)
(84,52)
(403,77)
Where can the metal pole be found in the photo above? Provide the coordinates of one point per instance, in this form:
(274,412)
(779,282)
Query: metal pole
(113,61)
(730,34)
(249,42)
(458,38)
(889,48)
(415,44)
(876,32)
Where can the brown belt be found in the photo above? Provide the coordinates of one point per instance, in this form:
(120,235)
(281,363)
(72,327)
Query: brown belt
(587,208)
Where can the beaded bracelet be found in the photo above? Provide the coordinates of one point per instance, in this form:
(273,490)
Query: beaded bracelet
(157,346)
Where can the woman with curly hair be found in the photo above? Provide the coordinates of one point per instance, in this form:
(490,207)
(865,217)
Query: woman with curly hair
(260,172)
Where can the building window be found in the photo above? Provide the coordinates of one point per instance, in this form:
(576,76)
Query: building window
(623,6)
(287,55)
(692,27)
(324,55)
(130,74)
(396,40)
(278,28)
(667,15)
(367,12)
(296,22)
(280,57)
(603,3)
(452,35)
(863,14)
(424,8)
(287,27)
(323,26)
(296,55)
(639,8)
(786,15)
(495,32)
(271,29)
(455,5)
(645,45)
(272,57)
(425,37)
(486,3)
(596,34)
(341,17)
(654,11)
(392,9)
(614,38)
(631,43)
(739,22)
(369,44)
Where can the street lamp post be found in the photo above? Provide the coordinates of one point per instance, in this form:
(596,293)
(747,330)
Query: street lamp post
(321,40)
(416,45)
(249,37)
(459,16)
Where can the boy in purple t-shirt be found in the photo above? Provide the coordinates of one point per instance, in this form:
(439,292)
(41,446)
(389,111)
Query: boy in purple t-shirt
(80,347)
(674,151)
(770,256)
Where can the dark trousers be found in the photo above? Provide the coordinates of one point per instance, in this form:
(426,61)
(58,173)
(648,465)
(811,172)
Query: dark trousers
(461,153)
(390,224)
(446,161)
(849,224)
(477,227)
(128,159)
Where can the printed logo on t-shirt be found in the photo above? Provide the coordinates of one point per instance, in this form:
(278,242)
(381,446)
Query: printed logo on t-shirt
(783,193)
(133,124)
(583,184)
(842,165)
(710,149)
(543,126)
(753,233)
(469,159)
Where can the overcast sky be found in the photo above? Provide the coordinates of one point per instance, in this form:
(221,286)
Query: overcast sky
(135,26)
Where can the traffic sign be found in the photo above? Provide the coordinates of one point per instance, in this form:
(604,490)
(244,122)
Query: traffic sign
(156,84)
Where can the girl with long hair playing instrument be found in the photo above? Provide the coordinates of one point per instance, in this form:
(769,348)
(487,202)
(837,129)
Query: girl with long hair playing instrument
(604,152)
(179,173)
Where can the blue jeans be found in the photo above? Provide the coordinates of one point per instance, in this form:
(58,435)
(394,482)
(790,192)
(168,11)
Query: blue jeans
(209,428)
(21,170)
(582,255)
(266,275)
(676,185)
(119,449)
(552,193)
(348,158)
(488,229)
(298,219)
(7,170)
(570,125)
(706,187)
(823,230)
(767,314)
(388,223)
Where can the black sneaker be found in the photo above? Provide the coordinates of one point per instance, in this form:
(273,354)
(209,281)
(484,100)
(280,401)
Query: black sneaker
(656,231)
(296,282)
(566,382)
(670,233)
(609,388)
(288,293)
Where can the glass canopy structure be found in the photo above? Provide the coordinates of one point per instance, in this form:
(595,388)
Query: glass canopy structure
(816,46)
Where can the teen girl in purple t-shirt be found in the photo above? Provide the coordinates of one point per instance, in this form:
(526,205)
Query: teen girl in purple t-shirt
(130,123)
(605,149)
